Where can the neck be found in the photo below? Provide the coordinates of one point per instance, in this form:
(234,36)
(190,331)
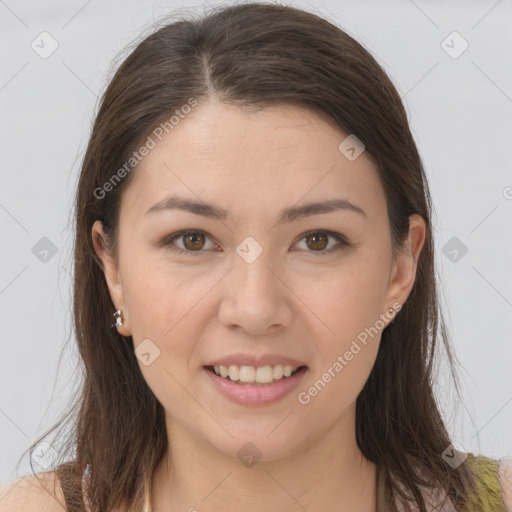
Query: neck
(328,473)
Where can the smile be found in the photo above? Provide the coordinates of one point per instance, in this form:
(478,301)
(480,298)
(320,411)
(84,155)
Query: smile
(261,387)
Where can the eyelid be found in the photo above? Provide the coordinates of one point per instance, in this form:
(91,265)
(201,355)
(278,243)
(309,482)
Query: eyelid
(342,240)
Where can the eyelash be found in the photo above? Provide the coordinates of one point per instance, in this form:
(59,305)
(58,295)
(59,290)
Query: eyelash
(343,242)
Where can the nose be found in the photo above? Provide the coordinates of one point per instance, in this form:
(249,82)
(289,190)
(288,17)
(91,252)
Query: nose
(256,297)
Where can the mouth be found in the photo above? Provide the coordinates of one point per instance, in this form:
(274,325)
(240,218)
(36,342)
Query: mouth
(255,376)
(275,382)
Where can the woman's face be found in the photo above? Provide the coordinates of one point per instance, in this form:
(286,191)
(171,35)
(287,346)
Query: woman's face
(257,288)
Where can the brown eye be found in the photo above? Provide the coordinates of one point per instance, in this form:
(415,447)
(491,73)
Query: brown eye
(193,241)
(317,241)
(320,242)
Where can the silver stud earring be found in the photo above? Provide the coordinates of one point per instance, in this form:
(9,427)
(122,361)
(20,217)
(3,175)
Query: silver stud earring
(118,319)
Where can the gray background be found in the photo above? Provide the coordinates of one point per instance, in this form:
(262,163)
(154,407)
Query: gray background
(460,111)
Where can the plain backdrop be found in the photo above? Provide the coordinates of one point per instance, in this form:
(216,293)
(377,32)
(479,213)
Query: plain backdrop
(457,89)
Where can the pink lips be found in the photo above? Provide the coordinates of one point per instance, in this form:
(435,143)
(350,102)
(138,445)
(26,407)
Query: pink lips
(255,395)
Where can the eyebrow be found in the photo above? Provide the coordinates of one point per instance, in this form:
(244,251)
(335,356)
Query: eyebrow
(290,214)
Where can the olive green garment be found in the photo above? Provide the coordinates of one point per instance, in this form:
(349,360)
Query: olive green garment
(488,495)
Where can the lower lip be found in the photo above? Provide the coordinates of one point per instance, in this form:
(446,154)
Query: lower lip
(253,395)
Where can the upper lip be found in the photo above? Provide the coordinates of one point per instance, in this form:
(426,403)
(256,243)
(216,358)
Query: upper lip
(251,360)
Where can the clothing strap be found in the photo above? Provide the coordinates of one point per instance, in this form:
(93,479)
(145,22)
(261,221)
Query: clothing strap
(72,486)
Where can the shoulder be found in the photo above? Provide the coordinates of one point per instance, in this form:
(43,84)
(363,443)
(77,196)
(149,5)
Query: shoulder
(505,477)
(493,486)
(40,492)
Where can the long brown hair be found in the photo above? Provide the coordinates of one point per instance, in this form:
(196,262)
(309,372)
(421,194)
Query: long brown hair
(252,55)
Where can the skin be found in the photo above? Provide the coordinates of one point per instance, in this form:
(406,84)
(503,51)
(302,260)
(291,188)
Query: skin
(292,300)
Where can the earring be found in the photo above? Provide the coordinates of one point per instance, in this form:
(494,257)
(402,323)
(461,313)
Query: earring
(118,319)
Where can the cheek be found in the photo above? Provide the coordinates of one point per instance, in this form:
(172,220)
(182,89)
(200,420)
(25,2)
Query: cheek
(352,300)
(332,391)
(167,306)
(158,294)
(344,367)
(348,298)
(346,355)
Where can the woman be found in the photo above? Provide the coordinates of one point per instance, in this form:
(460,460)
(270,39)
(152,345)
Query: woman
(253,218)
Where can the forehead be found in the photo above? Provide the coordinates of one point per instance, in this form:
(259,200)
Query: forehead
(249,159)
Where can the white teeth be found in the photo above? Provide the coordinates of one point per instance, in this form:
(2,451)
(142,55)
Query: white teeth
(264,374)
(247,374)
(261,374)
(233,372)
(278,371)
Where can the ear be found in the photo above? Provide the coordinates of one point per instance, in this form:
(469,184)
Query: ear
(403,273)
(112,275)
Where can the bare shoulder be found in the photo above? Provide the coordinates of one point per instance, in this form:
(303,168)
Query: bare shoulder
(40,492)
(505,476)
